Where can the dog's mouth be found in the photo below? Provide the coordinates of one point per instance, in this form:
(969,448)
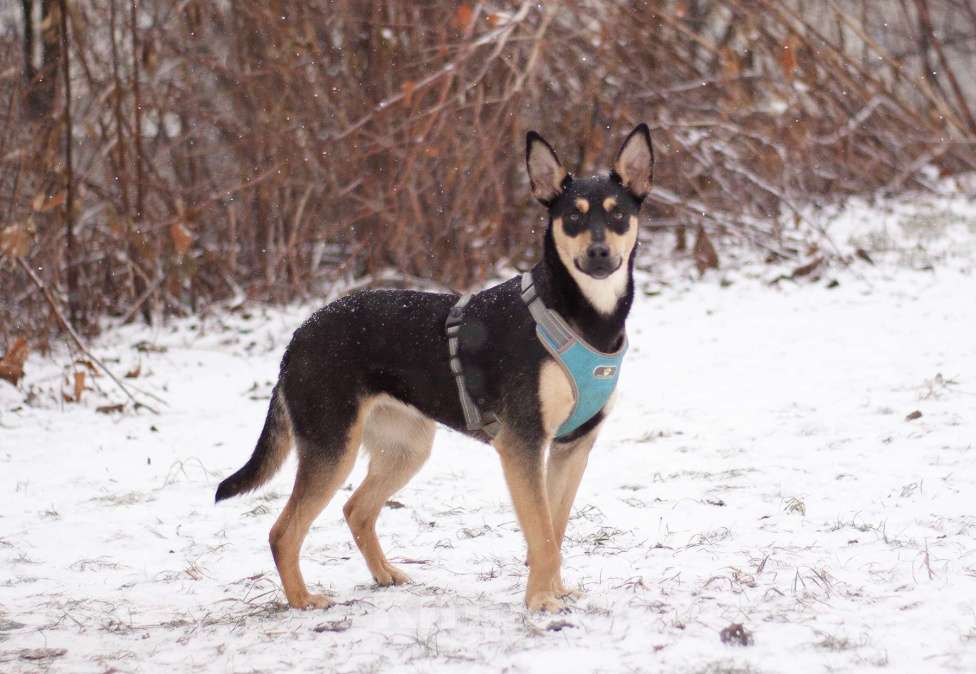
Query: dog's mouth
(599,268)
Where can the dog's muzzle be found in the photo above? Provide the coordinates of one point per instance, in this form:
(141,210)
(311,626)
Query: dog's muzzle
(598,261)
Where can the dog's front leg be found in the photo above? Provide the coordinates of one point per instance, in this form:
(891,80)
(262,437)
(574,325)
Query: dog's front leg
(567,462)
(564,471)
(524,468)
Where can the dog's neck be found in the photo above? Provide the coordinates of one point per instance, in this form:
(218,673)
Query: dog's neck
(602,326)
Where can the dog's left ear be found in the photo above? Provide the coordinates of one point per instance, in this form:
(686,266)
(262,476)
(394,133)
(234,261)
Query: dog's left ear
(634,166)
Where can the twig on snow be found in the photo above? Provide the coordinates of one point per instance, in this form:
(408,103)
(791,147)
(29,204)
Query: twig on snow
(75,338)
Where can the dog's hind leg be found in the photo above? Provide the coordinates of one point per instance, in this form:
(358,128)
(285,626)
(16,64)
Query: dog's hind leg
(323,465)
(398,439)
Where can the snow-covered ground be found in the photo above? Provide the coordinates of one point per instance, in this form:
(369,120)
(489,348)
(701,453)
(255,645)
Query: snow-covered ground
(759,469)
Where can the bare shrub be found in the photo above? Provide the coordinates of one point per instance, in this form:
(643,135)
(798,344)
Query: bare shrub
(207,150)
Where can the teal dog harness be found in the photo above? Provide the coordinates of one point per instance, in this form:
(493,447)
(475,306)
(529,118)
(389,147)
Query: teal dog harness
(592,373)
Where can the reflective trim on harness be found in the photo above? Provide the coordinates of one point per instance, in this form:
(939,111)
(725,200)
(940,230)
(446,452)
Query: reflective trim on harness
(592,373)
(472,416)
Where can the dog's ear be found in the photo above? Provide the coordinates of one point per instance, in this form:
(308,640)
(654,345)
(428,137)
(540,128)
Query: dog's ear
(547,175)
(634,167)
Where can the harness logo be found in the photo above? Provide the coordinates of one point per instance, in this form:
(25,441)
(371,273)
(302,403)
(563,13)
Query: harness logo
(604,371)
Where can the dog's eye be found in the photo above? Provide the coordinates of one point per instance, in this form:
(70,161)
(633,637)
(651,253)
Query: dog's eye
(618,215)
(574,217)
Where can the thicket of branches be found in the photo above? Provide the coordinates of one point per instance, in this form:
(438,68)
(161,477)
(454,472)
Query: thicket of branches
(156,155)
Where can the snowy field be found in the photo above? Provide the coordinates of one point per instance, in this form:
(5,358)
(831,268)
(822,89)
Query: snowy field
(762,468)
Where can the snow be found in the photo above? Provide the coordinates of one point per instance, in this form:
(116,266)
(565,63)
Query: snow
(758,469)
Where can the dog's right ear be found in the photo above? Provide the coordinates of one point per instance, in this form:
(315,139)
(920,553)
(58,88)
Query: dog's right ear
(547,175)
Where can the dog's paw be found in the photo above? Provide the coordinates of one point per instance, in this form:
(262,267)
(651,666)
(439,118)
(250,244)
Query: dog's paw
(390,575)
(545,601)
(312,601)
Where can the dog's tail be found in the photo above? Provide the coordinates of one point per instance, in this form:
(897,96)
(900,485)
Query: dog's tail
(269,454)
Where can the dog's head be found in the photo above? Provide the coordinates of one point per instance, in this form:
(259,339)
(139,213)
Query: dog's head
(593,220)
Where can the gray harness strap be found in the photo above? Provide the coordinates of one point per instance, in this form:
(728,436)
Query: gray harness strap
(472,416)
(547,318)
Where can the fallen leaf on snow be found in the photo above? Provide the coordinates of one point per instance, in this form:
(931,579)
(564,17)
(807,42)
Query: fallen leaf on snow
(736,635)
(12,363)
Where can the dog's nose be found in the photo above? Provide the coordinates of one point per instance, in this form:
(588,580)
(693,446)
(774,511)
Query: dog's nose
(597,251)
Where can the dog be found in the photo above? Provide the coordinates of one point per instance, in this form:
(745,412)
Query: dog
(381,368)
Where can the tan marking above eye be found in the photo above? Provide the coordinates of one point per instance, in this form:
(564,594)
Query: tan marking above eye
(582,205)
(609,203)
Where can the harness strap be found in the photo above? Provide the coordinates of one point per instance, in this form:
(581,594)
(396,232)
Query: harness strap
(472,415)
(550,321)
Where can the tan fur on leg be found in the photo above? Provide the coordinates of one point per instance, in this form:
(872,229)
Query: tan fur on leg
(398,439)
(315,484)
(564,471)
(523,468)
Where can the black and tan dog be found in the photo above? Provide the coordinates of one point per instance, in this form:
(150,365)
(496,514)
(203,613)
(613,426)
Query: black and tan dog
(378,369)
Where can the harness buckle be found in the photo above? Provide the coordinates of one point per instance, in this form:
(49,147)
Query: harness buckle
(454,316)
